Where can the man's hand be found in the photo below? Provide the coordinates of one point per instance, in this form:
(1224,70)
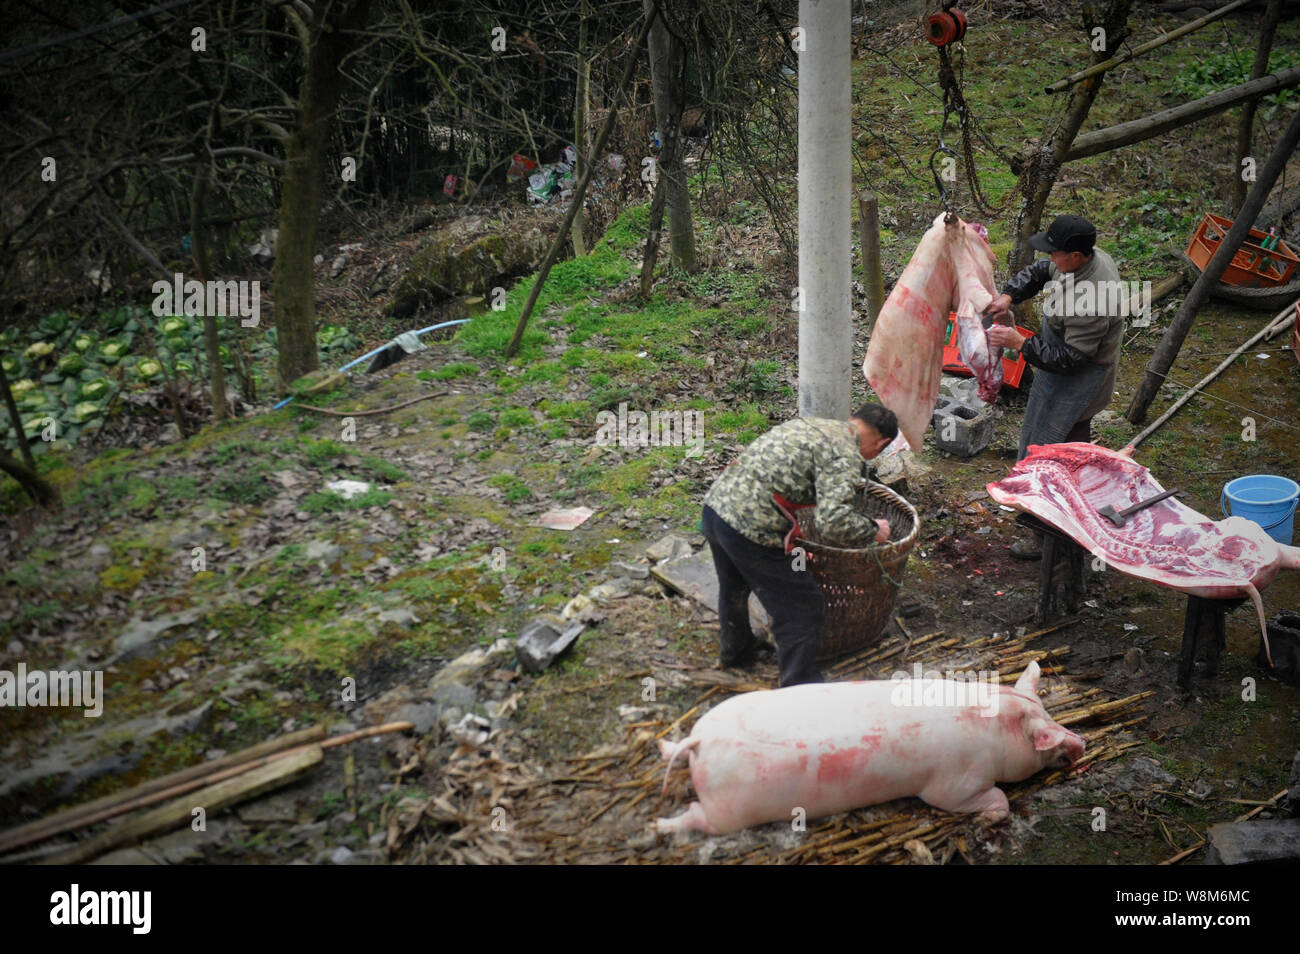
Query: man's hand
(883,534)
(1004,336)
(999,308)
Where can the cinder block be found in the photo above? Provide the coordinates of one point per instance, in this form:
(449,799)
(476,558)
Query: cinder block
(961,430)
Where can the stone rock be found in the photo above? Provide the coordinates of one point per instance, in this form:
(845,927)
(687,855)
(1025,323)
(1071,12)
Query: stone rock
(178,847)
(194,538)
(455,694)
(304,833)
(321,550)
(668,547)
(402,617)
(612,589)
(471,730)
(424,715)
(634,571)
(1274,840)
(544,640)
(464,258)
(466,667)
(139,635)
(271,809)
(963,391)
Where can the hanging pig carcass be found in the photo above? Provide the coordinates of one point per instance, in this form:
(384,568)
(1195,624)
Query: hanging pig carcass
(951,270)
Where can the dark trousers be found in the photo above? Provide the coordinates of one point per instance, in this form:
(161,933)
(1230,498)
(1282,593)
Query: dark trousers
(1082,431)
(791,597)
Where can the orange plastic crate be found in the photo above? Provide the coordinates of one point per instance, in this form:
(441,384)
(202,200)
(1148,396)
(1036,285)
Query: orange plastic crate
(1012,371)
(1252,266)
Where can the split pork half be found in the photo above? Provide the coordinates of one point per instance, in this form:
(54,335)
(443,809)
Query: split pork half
(951,270)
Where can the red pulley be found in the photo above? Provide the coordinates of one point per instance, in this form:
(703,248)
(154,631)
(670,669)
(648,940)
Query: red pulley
(961,23)
(942,29)
(945,28)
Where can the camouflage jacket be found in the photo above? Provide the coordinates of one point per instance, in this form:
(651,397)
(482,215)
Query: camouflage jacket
(807,460)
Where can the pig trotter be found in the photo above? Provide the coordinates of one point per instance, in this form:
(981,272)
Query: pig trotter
(670,751)
(693,819)
(991,803)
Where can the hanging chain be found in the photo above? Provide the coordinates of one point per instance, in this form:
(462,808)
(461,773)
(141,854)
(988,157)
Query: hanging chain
(950,83)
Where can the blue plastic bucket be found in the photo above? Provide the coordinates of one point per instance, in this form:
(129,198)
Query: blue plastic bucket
(1267,499)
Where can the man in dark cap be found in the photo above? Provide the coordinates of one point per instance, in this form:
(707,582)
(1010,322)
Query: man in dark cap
(1076,354)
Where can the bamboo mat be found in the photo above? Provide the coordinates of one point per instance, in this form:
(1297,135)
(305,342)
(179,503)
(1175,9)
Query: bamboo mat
(596,807)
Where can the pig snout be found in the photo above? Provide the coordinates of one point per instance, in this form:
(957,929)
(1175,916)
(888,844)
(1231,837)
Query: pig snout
(1058,745)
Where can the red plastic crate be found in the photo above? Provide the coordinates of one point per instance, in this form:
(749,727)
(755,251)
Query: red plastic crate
(1252,266)
(1012,371)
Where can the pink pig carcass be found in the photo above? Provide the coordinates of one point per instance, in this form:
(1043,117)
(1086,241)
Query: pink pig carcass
(832,747)
(951,270)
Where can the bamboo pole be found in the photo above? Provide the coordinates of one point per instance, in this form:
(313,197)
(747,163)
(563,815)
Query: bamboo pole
(179,783)
(580,193)
(1279,323)
(1146,47)
(1125,134)
(52,825)
(212,799)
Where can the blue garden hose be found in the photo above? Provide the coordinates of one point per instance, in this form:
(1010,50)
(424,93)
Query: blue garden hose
(371,354)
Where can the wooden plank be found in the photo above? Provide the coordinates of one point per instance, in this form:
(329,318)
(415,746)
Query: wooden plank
(64,821)
(212,800)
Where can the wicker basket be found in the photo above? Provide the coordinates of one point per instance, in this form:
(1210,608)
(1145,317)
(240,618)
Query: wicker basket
(860,585)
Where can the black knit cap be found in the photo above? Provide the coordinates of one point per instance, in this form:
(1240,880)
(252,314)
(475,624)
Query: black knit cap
(1067,233)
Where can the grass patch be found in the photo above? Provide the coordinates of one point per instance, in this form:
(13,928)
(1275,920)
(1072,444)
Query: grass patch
(328,502)
(458,369)
(511,487)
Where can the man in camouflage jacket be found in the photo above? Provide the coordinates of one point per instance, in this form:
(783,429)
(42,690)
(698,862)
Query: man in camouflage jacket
(800,463)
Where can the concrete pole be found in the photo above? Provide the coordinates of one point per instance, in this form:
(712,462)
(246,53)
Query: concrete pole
(825,193)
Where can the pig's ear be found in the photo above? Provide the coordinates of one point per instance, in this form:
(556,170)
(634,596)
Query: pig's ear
(1028,681)
(1048,737)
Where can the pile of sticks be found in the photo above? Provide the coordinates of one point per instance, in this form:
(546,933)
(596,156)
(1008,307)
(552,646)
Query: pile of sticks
(597,807)
(211,786)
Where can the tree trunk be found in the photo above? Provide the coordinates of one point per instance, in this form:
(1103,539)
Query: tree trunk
(322,85)
(580,124)
(667,61)
(1257,71)
(1040,175)
(16,420)
(1172,342)
(199,242)
(652,238)
(36,486)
